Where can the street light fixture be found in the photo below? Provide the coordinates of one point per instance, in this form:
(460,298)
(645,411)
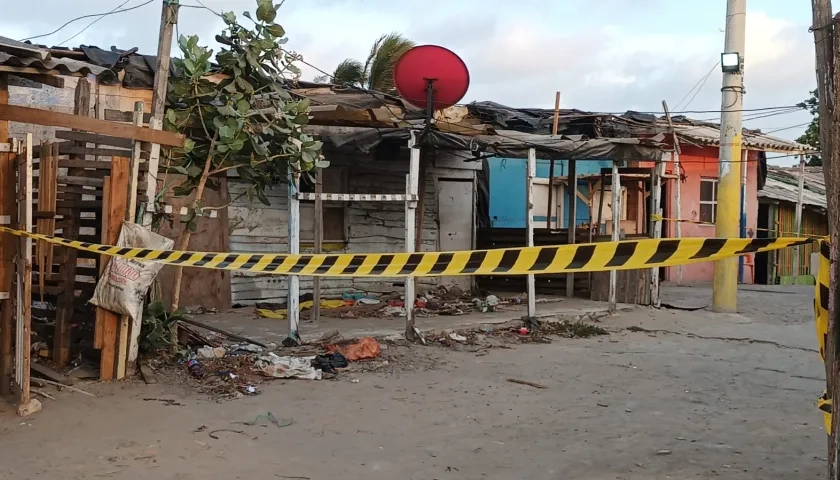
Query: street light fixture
(730,62)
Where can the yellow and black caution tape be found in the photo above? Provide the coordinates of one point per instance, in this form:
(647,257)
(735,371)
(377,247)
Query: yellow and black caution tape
(821,312)
(589,257)
(660,218)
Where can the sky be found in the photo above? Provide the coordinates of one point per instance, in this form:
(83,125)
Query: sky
(602,55)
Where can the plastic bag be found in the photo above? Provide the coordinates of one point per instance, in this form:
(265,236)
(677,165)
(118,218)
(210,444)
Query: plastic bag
(125,281)
(364,349)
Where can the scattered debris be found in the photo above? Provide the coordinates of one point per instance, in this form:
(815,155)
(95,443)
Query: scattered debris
(68,387)
(222,332)
(212,352)
(327,336)
(363,349)
(247,347)
(354,380)
(46,372)
(31,407)
(275,366)
(214,432)
(457,337)
(663,452)
(249,390)
(168,402)
(393,311)
(42,393)
(84,372)
(195,369)
(280,423)
(602,405)
(329,362)
(526,382)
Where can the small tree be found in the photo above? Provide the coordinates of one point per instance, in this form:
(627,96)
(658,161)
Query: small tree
(812,133)
(377,73)
(245,122)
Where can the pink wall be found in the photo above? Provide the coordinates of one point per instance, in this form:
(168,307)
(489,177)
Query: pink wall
(703,162)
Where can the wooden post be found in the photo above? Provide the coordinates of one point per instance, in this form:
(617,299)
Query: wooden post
(798,217)
(656,231)
(23,328)
(616,227)
(572,191)
(129,331)
(8,248)
(67,298)
(293,297)
(677,182)
(421,210)
(117,186)
(601,203)
(318,241)
(168,19)
(554,127)
(530,173)
(411,187)
(826,42)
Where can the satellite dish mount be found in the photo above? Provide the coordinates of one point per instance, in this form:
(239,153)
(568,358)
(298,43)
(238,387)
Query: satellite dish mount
(432,78)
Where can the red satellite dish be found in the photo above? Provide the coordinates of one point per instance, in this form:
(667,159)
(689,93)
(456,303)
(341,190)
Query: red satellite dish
(427,65)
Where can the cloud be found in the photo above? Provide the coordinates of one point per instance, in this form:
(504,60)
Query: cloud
(604,55)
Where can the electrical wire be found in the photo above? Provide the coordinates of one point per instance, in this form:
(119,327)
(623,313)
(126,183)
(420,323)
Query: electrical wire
(93,22)
(701,82)
(87,16)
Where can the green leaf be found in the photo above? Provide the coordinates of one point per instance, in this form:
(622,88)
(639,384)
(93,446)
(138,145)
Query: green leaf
(275,30)
(225,132)
(262,196)
(236,145)
(243,106)
(229,17)
(322,164)
(189,65)
(266,12)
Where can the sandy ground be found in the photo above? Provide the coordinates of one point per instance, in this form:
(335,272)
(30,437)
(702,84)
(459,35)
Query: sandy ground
(694,395)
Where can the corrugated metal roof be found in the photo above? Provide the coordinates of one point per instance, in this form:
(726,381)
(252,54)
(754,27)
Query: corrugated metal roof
(709,135)
(17,54)
(629,124)
(783,186)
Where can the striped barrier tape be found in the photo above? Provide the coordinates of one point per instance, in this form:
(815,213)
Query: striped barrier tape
(660,218)
(821,313)
(589,257)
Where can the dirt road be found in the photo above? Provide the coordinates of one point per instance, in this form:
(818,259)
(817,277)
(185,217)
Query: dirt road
(694,395)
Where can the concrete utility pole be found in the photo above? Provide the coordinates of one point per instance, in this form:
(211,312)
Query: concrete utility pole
(725,293)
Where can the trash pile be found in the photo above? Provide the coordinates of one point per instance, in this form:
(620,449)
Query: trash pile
(226,371)
(437,301)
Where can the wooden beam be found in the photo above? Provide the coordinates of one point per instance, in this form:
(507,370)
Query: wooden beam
(51,80)
(126,117)
(126,336)
(57,119)
(573,196)
(8,250)
(94,138)
(66,307)
(35,71)
(23,327)
(318,242)
(116,214)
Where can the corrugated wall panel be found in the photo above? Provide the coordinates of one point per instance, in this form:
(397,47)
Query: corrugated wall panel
(812,224)
(370,227)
